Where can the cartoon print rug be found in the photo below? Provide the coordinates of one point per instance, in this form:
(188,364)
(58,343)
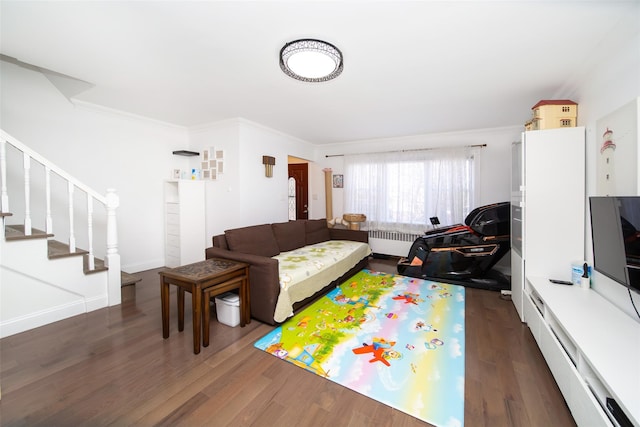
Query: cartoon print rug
(396,339)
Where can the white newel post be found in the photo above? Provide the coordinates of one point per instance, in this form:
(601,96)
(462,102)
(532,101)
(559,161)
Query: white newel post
(3,171)
(27,194)
(112,259)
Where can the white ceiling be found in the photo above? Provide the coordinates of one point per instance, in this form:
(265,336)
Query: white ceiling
(411,67)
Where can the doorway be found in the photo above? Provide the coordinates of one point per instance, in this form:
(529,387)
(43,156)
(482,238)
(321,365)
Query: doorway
(299,190)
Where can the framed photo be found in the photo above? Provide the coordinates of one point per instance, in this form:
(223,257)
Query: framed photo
(617,136)
(204,165)
(338,181)
(214,174)
(205,156)
(220,167)
(206,174)
(219,154)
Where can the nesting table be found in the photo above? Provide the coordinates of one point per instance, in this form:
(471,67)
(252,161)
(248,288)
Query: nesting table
(204,280)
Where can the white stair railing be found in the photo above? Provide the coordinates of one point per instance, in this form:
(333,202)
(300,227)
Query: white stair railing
(110,202)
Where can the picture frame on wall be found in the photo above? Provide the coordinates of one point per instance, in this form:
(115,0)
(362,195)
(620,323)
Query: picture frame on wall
(338,181)
(617,151)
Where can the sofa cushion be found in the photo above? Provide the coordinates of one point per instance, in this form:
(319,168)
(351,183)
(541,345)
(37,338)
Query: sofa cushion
(255,240)
(316,231)
(289,235)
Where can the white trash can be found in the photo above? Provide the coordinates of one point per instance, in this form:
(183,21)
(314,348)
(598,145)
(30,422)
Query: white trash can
(228,308)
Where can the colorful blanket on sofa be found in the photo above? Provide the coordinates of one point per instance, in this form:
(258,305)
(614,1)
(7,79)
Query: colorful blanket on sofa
(306,270)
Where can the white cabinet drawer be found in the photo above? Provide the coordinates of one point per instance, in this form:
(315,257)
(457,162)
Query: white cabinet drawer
(173,219)
(173,229)
(173,240)
(585,408)
(559,363)
(173,208)
(173,251)
(172,261)
(532,317)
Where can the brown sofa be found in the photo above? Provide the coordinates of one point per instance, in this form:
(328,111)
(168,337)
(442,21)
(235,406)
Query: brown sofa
(256,245)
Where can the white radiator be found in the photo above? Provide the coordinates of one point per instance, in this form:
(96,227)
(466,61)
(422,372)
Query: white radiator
(393,235)
(391,242)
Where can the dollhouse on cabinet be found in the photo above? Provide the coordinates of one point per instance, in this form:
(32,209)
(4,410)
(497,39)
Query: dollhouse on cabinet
(553,114)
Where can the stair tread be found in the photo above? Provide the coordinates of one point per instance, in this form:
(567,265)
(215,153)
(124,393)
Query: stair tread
(98,265)
(4,214)
(127,279)
(16,232)
(58,249)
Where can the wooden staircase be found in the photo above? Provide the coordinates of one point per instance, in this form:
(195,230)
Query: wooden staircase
(44,280)
(56,250)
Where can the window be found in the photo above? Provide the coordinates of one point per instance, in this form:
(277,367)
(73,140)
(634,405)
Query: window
(566,109)
(400,191)
(565,123)
(292,198)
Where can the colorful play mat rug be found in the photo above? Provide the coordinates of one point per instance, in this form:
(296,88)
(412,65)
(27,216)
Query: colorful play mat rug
(396,339)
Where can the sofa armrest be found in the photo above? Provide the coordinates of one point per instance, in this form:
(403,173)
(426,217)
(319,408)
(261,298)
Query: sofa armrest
(346,234)
(264,281)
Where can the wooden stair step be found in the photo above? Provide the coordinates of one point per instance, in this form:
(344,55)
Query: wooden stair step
(98,265)
(5,214)
(128,279)
(16,232)
(56,249)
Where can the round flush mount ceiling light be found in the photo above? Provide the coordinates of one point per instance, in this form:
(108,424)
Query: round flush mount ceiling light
(311,60)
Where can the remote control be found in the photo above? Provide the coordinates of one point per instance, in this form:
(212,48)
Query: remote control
(560,282)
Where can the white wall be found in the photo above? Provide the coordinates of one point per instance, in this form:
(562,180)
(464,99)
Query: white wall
(103,149)
(612,84)
(243,195)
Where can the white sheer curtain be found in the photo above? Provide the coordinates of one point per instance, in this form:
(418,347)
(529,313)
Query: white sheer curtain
(400,191)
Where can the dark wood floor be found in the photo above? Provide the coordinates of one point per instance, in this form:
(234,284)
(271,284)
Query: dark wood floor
(112,367)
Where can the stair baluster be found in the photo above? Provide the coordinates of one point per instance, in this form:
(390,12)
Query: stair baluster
(47,185)
(91,261)
(27,193)
(72,234)
(4,198)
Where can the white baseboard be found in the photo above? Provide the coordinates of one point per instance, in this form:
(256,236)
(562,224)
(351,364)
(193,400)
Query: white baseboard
(40,318)
(150,265)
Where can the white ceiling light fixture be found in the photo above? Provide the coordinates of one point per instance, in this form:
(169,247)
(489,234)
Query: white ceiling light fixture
(311,60)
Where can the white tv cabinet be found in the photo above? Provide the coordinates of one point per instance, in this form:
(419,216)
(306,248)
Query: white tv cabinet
(591,347)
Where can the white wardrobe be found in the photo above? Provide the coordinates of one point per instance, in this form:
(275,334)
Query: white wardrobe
(547,205)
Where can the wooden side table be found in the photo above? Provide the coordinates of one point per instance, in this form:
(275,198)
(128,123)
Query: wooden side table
(197,278)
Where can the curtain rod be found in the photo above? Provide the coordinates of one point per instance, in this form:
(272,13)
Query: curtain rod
(405,151)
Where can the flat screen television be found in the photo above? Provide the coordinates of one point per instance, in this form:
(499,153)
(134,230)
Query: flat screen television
(615,228)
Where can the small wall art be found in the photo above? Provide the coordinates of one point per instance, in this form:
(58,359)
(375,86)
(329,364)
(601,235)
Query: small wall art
(338,181)
(617,140)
